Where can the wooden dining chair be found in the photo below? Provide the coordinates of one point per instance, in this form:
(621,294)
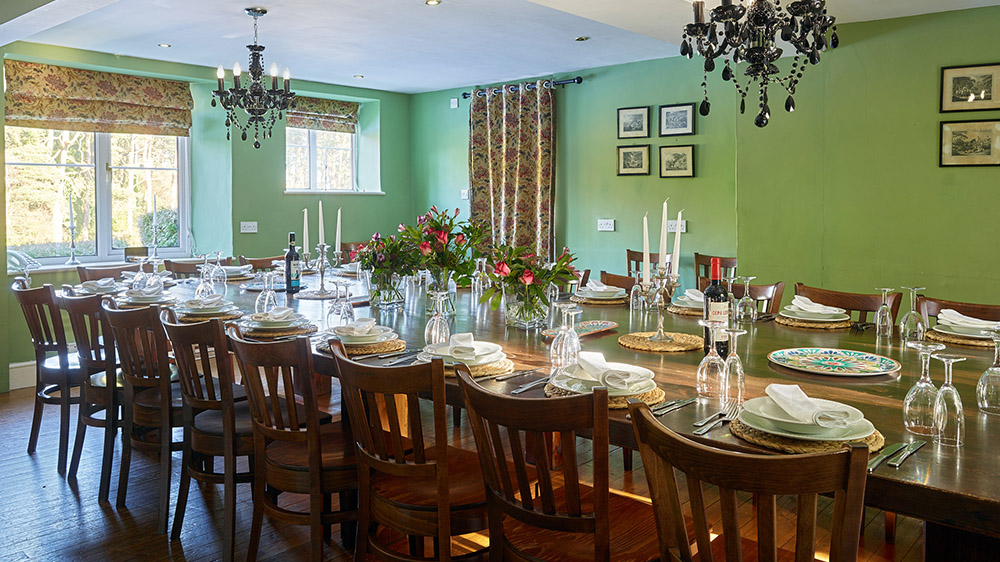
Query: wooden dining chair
(929,307)
(56,370)
(95,273)
(703,265)
(261,264)
(634,261)
(188,268)
(293,452)
(152,405)
(217,420)
(617,280)
(535,514)
(852,302)
(409,479)
(841,473)
(768,297)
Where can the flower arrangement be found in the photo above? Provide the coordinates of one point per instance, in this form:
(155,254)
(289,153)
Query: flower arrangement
(444,244)
(387,260)
(523,279)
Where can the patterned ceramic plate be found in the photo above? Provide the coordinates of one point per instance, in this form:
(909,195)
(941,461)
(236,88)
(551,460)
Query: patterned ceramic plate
(827,361)
(585,328)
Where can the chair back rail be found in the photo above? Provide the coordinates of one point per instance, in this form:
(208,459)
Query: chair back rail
(95,273)
(703,265)
(768,297)
(261,264)
(852,302)
(932,307)
(634,261)
(842,473)
(91,332)
(44,319)
(142,346)
(201,351)
(617,280)
(186,269)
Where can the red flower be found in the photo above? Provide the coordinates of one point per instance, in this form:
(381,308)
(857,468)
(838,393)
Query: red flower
(442,237)
(502,269)
(457,211)
(401,227)
(425,248)
(460,239)
(354,255)
(528,277)
(434,208)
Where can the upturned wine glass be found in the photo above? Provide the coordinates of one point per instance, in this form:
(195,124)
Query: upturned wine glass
(918,406)
(746,308)
(988,389)
(636,301)
(565,348)
(711,377)
(153,280)
(552,294)
(218,273)
(949,417)
(735,381)
(732,298)
(883,316)
(912,326)
(267,299)
(139,279)
(437,330)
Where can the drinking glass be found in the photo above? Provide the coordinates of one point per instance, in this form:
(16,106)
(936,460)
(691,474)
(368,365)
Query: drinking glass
(746,308)
(437,330)
(949,418)
(988,389)
(153,280)
(552,293)
(341,311)
(711,377)
(480,280)
(218,274)
(636,301)
(732,298)
(139,280)
(883,316)
(266,300)
(735,381)
(918,406)
(911,325)
(566,345)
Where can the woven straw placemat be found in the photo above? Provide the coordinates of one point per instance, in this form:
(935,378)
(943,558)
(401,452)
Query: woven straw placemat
(683,311)
(134,305)
(957,340)
(598,302)
(812,325)
(875,441)
(651,398)
(270,334)
(315,295)
(195,319)
(238,278)
(500,367)
(682,342)
(390,346)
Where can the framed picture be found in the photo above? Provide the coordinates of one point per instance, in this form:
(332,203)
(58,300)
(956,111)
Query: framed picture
(633,122)
(970,88)
(677,161)
(970,143)
(633,160)
(676,120)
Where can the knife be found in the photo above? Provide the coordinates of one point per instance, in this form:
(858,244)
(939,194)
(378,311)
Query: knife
(886,453)
(905,453)
(676,406)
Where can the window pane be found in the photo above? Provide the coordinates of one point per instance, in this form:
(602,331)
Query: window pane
(132,194)
(46,146)
(144,151)
(296,158)
(296,137)
(334,160)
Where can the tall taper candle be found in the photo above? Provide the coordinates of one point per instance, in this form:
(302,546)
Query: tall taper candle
(645,248)
(305,231)
(336,247)
(663,235)
(675,265)
(322,232)
(71,225)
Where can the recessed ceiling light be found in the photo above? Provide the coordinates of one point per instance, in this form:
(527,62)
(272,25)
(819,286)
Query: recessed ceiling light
(164,45)
(359,76)
(432,2)
(583,38)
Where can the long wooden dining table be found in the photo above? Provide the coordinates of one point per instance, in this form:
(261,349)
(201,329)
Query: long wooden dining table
(954,490)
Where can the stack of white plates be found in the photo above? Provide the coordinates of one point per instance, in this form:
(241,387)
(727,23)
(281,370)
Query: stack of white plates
(293,321)
(763,414)
(162,298)
(571,380)
(611,293)
(486,353)
(207,311)
(961,331)
(377,334)
(684,301)
(794,312)
(116,288)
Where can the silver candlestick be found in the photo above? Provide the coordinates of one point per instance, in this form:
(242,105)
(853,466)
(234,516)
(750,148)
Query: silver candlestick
(72,246)
(659,293)
(321,251)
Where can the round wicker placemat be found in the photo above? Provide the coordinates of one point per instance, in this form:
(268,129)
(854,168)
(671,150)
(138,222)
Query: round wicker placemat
(812,325)
(134,305)
(238,278)
(957,340)
(195,319)
(598,302)
(270,334)
(316,295)
(500,367)
(683,311)
(390,346)
(651,398)
(875,441)
(682,342)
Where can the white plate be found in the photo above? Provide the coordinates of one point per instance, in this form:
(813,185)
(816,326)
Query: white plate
(376,335)
(610,292)
(480,360)
(597,296)
(684,303)
(817,315)
(955,331)
(257,326)
(768,409)
(228,307)
(802,316)
(565,380)
(277,323)
(117,287)
(388,336)
(854,432)
(482,348)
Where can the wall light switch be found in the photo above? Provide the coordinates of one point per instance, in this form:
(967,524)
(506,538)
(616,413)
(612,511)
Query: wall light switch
(465,195)
(454,103)
(672,226)
(248,227)
(605,225)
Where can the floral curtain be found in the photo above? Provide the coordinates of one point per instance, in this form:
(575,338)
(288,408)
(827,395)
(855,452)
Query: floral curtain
(511,158)
(57,97)
(324,115)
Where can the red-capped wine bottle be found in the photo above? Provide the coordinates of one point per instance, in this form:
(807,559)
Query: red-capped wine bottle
(293,267)
(717,309)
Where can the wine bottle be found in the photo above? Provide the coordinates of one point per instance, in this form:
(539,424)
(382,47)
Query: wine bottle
(293,267)
(717,309)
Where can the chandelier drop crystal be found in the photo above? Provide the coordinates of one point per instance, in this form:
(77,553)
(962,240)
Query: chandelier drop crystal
(262,106)
(727,35)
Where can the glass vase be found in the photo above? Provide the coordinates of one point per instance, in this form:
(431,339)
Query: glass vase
(385,290)
(441,280)
(524,311)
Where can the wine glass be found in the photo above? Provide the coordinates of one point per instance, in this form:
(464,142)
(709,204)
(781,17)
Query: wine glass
(918,406)
(635,299)
(883,316)
(746,308)
(218,273)
(479,278)
(988,389)
(139,279)
(912,326)
(949,418)
(711,377)
(154,283)
(565,346)
(552,293)
(732,298)
(437,330)
(735,381)
(267,299)
(341,312)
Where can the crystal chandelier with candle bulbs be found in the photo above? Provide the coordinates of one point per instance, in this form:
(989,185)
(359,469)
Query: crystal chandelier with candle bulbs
(804,24)
(262,106)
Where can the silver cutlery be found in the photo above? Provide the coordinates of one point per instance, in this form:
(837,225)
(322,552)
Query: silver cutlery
(732,410)
(506,376)
(701,423)
(676,406)
(886,453)
(529,386)
(403,359)
(664,405)
(383,355)
(905,453)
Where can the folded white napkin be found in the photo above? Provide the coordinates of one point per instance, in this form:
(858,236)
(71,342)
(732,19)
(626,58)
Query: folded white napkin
(360,327)
(594,367)
(128,274)
(791,399)
(276,314)
(955,318)
(210,301)
(165,274)
(105,283)
(461,346)
(595,285)
(147,292)
(694,295)
(810,306)
(237,269)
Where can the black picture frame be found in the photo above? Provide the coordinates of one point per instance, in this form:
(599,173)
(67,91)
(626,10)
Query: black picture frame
(952,101)
(672,156)
(633,122)
(626,166)
(687,109)
(946,155)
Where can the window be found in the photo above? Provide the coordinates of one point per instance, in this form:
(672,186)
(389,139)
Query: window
(319,160)
(110,179)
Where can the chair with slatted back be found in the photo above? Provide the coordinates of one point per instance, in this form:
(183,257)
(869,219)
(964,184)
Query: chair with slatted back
(634,261)
(768,297)
(703,265)
(188,268)
(261,264)
(852,302)
(615,280)
(152,404)
(99,401)
(217,420)
(409,479)
(841,473)
(534,516)
(929,307)
(95,273)
(56,370)
(293,452)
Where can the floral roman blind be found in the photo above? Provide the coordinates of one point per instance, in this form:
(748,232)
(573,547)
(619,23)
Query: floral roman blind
(324,115)
(57,97)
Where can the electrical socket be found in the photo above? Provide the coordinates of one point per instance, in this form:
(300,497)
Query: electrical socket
(605,225)
(465,195)
(248,227)
(672,226)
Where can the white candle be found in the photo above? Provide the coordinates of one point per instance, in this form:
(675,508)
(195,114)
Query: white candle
(645,248)
(305,231)
(154,220)
(322,233)
(71,225)
(663,235)
(336,247)
(675,265)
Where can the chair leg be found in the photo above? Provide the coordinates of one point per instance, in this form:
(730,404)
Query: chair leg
(229,505)
(456,416)
(364,513)
(627,458)
(316,530)
(348,529)
(36,419)
(126,461)
(107,458)
(63,425)
(81,433)
(327,507)
(164,503)
(890,527)
(187,461)
(256,521)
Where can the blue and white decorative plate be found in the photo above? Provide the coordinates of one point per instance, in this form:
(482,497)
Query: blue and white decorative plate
(839,362)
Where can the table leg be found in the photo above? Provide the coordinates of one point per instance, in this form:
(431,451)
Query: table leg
(946,544)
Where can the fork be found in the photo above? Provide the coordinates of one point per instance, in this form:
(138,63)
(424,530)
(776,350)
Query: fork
(732,410)
(529,386)
(860,327)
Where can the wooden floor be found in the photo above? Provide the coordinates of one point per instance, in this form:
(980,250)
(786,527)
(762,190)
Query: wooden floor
(45,517)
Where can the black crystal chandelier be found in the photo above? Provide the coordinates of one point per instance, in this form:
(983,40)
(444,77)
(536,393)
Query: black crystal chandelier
(727,35)
(262,106)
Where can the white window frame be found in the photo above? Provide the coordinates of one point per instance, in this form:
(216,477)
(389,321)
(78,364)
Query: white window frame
(313,160)
(102,178)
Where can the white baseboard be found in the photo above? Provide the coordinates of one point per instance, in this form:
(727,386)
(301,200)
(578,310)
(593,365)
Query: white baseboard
(22,375)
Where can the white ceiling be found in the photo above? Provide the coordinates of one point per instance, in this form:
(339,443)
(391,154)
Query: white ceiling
(403,45)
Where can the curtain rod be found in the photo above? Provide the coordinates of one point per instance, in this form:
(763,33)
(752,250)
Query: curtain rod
(548,83)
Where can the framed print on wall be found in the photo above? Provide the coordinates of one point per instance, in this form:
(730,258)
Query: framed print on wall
(970,143)
(633,160)
(677,161)
(970,88)
(676,120)
(633,122)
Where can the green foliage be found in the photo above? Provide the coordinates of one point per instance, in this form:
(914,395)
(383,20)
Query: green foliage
(518,270)
(445,243)
(166,228)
